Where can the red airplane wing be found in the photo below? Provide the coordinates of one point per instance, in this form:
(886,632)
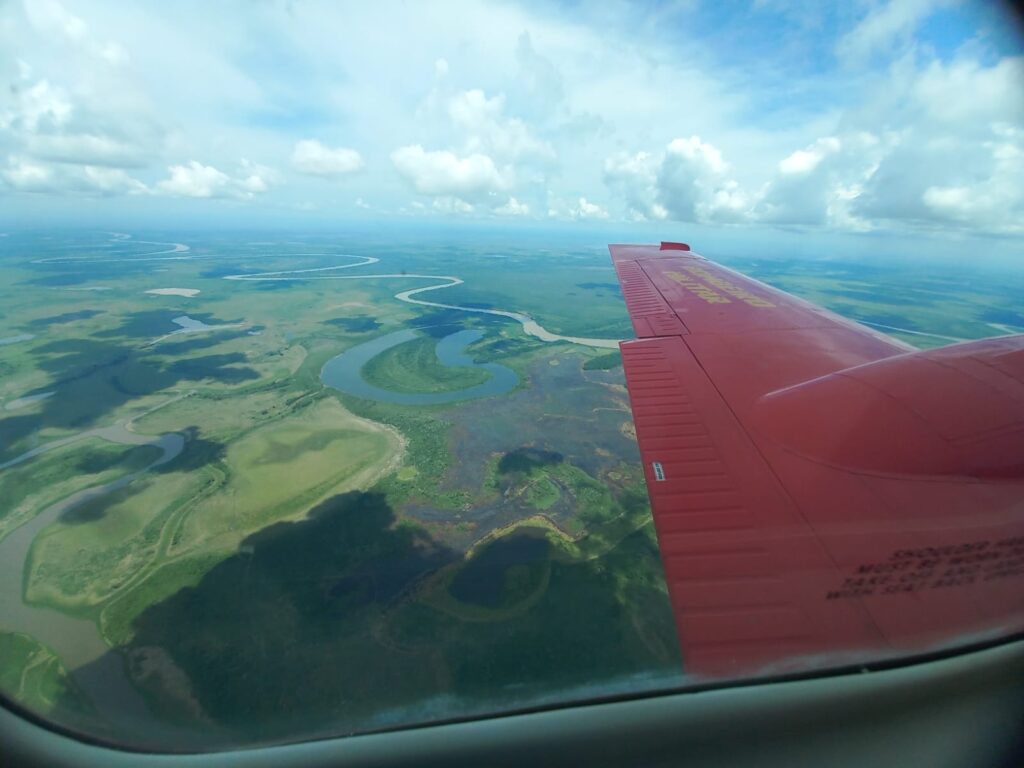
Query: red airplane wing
(822,494)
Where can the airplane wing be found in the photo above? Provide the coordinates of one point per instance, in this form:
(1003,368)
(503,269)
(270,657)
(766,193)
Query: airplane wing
(822,494)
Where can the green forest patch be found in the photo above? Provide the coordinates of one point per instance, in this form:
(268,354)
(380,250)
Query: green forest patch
(603,362)
(338,601)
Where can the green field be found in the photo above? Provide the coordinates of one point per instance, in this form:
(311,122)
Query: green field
(29,488)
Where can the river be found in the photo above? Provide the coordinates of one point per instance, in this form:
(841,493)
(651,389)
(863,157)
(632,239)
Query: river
(98,671)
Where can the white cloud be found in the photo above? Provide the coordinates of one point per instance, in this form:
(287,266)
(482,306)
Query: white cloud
(950,153)
(443,173)
(806,160)
(85,148)
(538,77)
(451,205)
(965,94)
(40,104)
(489,130)
(52,18)
(587,210)
(635,179)
(505,108)
(581,210)
(884,26)
(688,181)
(814,185)
(694,184)
(196,180)
(513,208)
(113,181)
(205,181)
(933,147)
(25,175)
(312,157)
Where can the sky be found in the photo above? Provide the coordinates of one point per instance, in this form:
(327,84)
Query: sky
(865,119)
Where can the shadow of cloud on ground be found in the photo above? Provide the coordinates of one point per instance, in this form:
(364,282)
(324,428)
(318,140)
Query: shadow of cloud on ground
(360,324)
(67,317)
(154,323)
(314,627)
(92,378)
(197,453)
(263,635)
(526,459)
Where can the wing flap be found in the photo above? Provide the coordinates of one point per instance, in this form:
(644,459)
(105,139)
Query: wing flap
(737,553)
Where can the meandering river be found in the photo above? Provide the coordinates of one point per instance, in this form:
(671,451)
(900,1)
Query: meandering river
(99,671)
(530,326)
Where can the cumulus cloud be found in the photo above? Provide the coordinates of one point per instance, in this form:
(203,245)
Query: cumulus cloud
(204,181)
(48,122)
(581,210)
(635,178)
(935,147)
(312,157)
(586,210)
(688,181)
(694,183)
(451,205)
(494,154)
(74,98)
(33,106)
(513,207)
(898,130)
(815,185)
(950,148)
(488,129)
(443,173)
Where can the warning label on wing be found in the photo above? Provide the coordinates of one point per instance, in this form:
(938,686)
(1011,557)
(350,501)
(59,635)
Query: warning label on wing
(926,568)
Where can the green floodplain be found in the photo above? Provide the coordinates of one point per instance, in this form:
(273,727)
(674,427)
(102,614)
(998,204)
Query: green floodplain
(207,546)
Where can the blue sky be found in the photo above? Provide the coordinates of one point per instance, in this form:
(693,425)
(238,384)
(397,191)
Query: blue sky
(831,119)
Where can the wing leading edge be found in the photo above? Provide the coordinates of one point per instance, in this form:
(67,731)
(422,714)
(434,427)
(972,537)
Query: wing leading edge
(816,499)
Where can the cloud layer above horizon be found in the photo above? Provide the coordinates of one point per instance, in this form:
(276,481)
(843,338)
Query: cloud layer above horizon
(905,115)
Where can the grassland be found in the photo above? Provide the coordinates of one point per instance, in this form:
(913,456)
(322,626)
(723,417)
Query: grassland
(413,367)
(158,533)
(29,488)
